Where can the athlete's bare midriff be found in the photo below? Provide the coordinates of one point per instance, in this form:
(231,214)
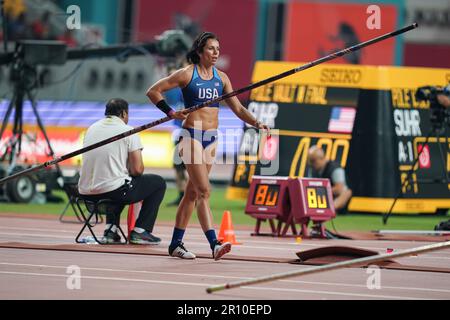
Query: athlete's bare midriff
(204,119)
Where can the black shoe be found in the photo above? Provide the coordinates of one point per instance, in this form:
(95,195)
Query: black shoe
(144,238)
(111,237)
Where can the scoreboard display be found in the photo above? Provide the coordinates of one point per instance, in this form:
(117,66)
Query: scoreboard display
(316,200)
(290,201)
(305,197)
(365,118)
(268,196)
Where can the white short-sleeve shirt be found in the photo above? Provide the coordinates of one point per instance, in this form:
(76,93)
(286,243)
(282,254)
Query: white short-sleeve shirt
(105,169)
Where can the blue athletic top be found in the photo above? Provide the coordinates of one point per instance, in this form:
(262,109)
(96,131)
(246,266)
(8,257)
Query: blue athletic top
(199,90)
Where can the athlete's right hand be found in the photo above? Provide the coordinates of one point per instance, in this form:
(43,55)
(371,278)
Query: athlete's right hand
(180,115)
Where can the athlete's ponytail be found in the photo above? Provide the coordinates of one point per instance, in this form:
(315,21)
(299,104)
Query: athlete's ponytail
(198,45)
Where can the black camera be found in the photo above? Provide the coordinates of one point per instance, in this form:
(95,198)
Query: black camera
(439,114)
(172,43)
(429,93)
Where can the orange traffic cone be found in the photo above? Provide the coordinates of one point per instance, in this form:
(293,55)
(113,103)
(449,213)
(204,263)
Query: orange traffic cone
(226,233)
(133,214)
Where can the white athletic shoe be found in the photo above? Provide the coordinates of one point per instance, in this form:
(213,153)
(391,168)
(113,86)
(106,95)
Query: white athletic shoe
(220,249)
(181,252)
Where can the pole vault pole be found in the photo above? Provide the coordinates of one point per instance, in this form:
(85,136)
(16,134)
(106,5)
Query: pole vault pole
(207,103)
(332,266)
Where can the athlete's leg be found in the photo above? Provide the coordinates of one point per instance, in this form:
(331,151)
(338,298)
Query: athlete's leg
(186,206)
(190,151)
(203,207)
(199,179)
(204,211)
(180,176)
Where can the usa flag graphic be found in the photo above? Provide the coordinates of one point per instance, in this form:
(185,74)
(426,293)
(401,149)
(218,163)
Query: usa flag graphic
(341,120)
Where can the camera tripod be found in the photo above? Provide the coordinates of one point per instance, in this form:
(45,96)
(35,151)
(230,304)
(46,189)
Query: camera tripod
(24,78)
(440,123)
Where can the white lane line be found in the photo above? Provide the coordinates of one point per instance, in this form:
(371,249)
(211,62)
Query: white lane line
(190,242)
(326,245)
(41,235)
(200,244)
(426,256)
(39,229)
(158,229)
(243,233)
(335,293)
(215,276)
(106,278)
(38,235)
(194,284)
(193,236)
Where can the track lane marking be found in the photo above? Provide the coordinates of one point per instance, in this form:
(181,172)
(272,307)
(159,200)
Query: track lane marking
(202,236)
(207,285)
(219,277)
(424,256)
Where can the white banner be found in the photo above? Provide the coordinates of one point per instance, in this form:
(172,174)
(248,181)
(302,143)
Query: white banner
(433,17)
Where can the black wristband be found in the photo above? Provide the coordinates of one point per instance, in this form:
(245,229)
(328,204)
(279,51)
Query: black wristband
(164,107)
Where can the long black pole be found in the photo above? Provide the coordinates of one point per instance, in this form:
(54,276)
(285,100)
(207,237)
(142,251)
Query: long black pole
(207,103)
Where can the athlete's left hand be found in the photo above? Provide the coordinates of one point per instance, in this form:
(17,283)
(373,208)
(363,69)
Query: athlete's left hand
(263,126)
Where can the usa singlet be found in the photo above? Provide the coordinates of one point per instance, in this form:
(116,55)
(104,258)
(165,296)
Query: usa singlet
(199,90)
